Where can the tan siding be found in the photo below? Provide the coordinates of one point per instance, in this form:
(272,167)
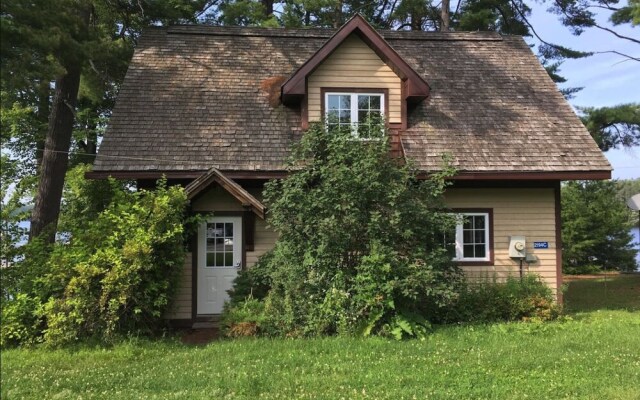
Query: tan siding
(217,199)
(354,65)
(527,212)
(181,307)
(264,240)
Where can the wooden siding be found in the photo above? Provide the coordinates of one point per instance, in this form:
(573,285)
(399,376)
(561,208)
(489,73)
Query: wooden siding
(354,65)
(264,240)
(181,307)
(217,199)
(527,212)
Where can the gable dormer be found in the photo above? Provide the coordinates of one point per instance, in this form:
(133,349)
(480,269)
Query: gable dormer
(356,65)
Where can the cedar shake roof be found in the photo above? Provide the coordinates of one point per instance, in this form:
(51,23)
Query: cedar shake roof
(201,97)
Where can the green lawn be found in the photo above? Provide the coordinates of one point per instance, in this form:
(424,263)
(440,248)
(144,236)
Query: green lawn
(618,292)
(591,355)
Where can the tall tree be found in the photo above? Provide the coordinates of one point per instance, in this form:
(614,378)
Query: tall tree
(61,118)
(595,227)
(50,50)
(613,127)
(444,16)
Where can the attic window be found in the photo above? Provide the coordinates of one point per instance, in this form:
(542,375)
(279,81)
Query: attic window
(359,111)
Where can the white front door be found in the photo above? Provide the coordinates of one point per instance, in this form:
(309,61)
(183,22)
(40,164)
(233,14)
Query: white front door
(219,259)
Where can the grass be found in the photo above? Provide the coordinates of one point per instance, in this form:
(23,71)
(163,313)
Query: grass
(618,292)
(588,355)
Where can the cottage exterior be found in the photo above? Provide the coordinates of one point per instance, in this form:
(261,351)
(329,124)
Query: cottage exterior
(217,109)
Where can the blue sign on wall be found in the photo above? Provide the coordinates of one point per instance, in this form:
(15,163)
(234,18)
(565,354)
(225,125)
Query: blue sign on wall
(540,245)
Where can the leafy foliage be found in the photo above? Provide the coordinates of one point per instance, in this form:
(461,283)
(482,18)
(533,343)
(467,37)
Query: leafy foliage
(595,227)
(613,127)
(112,271)
(526,299)
(359,250)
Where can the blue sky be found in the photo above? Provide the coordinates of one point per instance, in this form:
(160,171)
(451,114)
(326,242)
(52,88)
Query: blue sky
(607,78)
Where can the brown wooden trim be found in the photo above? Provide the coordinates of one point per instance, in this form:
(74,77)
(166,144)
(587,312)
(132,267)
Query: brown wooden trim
(535,175)
(304,113)
(492,253)
(249,227)
(232,174)
(403,105)
(558,212)
(296,84)
(266,175)
(194,275)
(491,184)
(383,91)
(234,189)
(182,323)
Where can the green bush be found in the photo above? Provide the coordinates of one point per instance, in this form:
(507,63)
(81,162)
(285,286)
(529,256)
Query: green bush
(360,246)
(515,299)
(581,269)
(243,318)
(112,272)
(20,320)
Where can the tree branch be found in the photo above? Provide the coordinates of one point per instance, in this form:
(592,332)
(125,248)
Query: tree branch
(616,34)
(555,46)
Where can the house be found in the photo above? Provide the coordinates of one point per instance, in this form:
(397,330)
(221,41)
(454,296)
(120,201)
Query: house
(217,109)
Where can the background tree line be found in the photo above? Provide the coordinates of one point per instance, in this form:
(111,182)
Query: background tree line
(62,63)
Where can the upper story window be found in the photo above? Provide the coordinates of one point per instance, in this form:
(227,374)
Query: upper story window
(358,111)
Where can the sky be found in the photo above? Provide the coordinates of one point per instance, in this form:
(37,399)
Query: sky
(607,79)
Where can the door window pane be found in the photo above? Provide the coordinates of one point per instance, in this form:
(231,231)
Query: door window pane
(220,244)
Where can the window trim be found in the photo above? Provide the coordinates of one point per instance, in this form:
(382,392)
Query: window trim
(384,104)
(490,258)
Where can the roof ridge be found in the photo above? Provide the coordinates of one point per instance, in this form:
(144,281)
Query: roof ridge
(326,33)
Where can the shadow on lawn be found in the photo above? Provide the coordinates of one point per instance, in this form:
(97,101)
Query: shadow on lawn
(620,292)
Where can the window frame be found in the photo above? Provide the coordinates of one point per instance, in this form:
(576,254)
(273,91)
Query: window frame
(354,92)
(459,238)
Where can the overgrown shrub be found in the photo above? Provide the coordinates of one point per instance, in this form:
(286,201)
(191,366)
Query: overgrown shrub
(20,320)
(515,299)
(581,269)
(244,318)
(360,247)
(111,272)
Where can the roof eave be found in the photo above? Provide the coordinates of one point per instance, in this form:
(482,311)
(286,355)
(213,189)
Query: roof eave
(214,175)
(532,175)
(295,87)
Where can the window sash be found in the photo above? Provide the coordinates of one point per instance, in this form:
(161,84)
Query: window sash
(354,108)
(479,238)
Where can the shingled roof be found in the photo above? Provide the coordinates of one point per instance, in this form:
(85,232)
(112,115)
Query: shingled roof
(201,97)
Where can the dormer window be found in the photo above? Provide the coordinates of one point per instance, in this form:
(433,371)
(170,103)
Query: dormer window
(357,111)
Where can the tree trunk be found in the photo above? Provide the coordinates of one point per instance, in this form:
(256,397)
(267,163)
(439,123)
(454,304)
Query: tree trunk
(44,217)
(268,7)
(337,14)
(42,115)
(444,16)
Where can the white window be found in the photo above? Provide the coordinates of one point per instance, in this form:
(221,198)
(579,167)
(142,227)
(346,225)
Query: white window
(472,237)
(356,111)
